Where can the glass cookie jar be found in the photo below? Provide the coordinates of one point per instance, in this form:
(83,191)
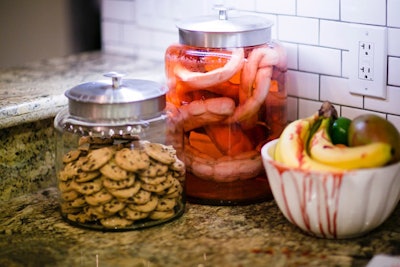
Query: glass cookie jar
(116,168)
(226,77)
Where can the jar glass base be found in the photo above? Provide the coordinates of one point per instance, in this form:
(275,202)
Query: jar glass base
(241,192)
(137,225)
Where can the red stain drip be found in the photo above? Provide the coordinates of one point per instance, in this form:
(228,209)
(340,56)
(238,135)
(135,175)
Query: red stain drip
(305,198)
(333,198)
(281,170)
(325,195)
(338,178)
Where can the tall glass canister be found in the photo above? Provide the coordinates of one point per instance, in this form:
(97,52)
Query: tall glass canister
(226,80)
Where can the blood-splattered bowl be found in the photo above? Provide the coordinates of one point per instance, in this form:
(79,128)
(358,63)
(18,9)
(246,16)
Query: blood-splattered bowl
(333,205)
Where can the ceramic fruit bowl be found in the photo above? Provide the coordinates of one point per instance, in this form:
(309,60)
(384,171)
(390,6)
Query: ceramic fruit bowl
(333,205)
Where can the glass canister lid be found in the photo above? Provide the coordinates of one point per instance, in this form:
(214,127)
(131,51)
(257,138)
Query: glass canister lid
(116,98)
(225,31)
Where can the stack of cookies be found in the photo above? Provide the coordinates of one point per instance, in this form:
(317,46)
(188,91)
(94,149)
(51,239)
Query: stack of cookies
(120,181)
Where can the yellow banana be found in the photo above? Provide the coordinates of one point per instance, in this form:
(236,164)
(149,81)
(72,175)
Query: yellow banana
(291,147)
(277,155)
(322,149)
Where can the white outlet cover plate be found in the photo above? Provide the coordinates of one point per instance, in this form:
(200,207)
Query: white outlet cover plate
(375,85)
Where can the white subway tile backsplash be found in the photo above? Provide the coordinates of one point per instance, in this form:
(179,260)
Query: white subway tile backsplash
(249,5)
(170,11)
(282,7)
(145,7)
(120,49)
(351,113)
(111,31)
(334,34)
(153,14)
(393,10)
(292,108)
(191,8)
(156,23)
(302,84)
(394,41)
(118,10)
(148,40)
(161,8)
(389,105)
(314,33)
(274,28)
(151,53)
(137,36)
(308,107)
(292,55)
(336,90)
(164,40)
(298,29)
(320,60)
(394,71)
(346,64)
(364,11)
(327,9)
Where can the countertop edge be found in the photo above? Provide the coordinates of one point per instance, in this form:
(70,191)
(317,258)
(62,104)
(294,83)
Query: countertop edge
(41,109)
(35,91)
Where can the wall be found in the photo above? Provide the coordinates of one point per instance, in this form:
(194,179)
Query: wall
(35,30)
(313,31)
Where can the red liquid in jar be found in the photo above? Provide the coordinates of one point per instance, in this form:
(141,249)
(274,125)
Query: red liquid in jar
(230,102)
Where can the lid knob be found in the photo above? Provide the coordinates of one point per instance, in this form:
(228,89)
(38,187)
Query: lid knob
(116,78)
(222,11)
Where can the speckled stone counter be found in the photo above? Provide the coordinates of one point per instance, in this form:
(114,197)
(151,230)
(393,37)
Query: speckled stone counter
(32,233)
(30,97)
(26,158)
(35,91)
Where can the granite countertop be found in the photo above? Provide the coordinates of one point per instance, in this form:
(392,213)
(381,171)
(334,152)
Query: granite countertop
(35,91)
(32,232)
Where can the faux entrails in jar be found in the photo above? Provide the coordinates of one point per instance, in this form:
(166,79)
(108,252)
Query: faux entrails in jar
(226,80)
(116,168)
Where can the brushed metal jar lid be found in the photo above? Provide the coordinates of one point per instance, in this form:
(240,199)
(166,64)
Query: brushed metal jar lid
(224,31)
(116,98)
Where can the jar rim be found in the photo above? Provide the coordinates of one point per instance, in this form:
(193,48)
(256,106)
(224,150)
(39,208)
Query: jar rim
(225,31)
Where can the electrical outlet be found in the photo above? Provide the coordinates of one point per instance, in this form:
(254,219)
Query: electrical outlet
(368,60)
